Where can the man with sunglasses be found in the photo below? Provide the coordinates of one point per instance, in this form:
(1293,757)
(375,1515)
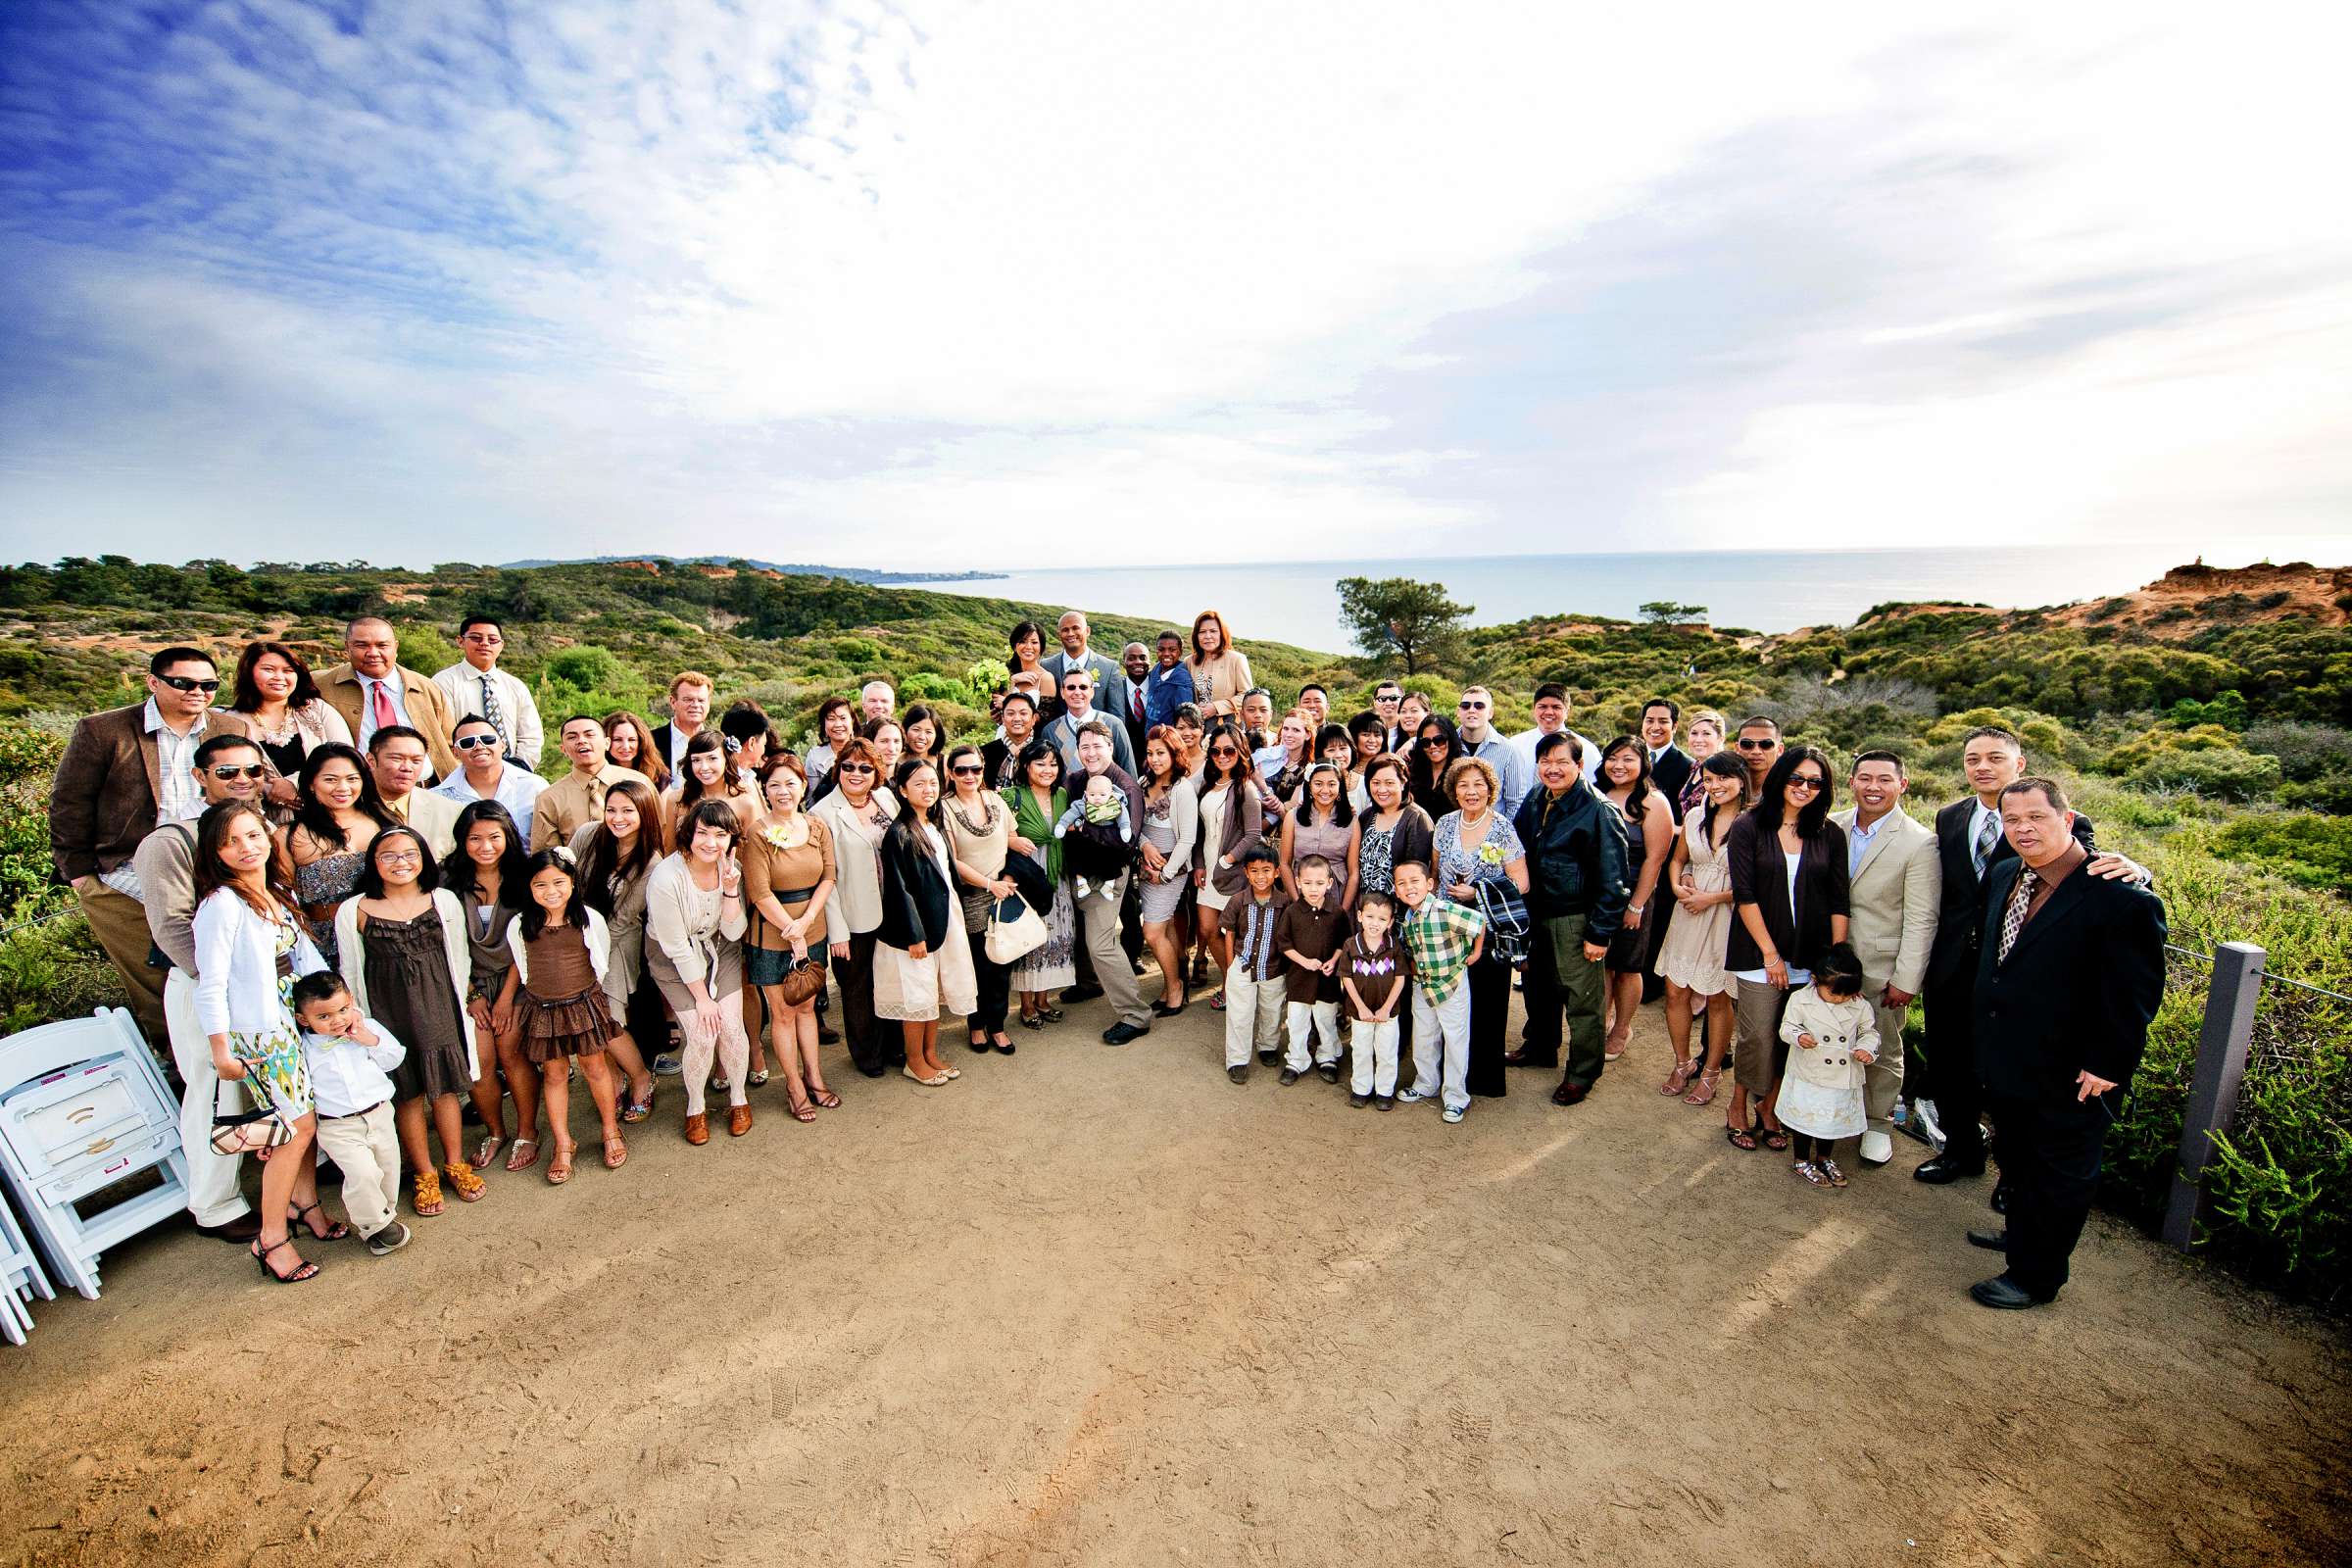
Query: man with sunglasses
(1077,712)
(1759,747)
(124,773)
(484,774)
(227,767)
(1475,737)
(1387,698)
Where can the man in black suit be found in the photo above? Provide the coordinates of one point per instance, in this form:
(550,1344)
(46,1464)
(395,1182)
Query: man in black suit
(689,712)
(1669,764)
(1970,847)
(2070,969)
(1387,698)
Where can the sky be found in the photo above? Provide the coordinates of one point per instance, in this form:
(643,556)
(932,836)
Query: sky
(929,286)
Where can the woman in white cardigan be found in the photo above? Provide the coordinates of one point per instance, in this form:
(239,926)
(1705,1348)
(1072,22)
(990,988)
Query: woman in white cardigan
(857,813)
(401,942)
(249,949)
(694,925)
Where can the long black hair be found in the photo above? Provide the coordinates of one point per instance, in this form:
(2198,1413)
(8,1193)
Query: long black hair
(533,918)
(462,875)
(602,861)
(311,813)
(212,832)
(1723,764)
(1245,766)
(908,828)
(1419,774)
(371,882)
(1642,788)
(1342,811)
(1771,809)
(1030,754)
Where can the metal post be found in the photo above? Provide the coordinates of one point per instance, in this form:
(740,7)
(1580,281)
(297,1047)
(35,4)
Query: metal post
(2213,1087)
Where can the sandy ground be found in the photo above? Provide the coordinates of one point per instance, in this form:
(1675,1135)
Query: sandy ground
(1100,1307)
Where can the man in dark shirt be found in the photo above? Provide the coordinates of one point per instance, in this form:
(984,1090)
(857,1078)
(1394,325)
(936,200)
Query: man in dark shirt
(1578,889)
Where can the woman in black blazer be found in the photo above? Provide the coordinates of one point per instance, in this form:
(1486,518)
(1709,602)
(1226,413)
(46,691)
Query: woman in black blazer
(923,963)
(1781,927)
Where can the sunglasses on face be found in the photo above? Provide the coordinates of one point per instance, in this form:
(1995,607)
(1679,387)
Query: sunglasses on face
(965,770)
(856,768)
(224,771)
(1434,743)
(1802,781)
(474,742)
(1226,752)
(1471,706)
(1757,746)
(185,683)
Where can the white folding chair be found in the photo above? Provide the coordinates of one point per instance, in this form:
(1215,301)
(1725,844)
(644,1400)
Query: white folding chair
(20,1277)
(82,1107)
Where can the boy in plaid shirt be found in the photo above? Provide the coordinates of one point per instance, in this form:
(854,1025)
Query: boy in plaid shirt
(1443,939)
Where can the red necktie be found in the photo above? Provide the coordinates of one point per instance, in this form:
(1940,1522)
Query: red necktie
(385,718)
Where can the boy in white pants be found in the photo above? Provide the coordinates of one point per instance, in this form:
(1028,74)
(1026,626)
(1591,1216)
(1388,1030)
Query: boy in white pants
(1312,931)
(348,1056)
(1377,976)
(1253,979)
(1444,940)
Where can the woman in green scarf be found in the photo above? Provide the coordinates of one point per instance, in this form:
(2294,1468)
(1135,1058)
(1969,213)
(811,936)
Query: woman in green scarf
(1038,800)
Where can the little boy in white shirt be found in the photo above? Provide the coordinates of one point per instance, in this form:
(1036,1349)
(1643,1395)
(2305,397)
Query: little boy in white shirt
(348,1058)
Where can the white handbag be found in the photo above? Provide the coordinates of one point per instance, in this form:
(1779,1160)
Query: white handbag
(1013,936)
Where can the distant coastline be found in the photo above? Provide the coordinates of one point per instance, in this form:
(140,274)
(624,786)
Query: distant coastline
(784,568)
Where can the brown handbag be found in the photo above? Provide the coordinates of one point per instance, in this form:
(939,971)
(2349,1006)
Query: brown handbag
(804,978)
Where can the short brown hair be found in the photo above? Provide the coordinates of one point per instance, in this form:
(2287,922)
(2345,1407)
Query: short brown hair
(689,678)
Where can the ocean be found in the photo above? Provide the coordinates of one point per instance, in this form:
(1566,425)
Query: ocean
(1772,591)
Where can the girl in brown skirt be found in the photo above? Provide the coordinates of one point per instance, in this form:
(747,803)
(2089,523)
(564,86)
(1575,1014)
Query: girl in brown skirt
(562,950)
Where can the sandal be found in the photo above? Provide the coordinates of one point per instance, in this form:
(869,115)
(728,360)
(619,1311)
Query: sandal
(1706,1090)
(1829,1168)
(1217,1003)
(559,1169)
(800,1110)
(335,1231)
(616,1153)
(1776,1139)
(303,1269)
(524,1154)
(1810,1172)
(425,1195)
(756,1080)
(826,1098)
(469,1187)
(1607,1055)
(1677,1080)
(487,1151)
(1051,1014)
(1030,1020)
(636,1111)
(1740,1137)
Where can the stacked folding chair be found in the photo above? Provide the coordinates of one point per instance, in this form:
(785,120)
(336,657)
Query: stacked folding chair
(20,1278)
(84,1107)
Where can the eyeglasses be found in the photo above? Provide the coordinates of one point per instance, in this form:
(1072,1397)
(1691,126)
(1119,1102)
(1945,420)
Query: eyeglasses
(1804,781)
(965,770)
(184,683)
(856,767)
(474,742)
(401,857)
(1756,746)
(1469,704)
(224,771)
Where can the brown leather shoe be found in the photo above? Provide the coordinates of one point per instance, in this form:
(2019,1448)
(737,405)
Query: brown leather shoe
(698,1128)
(739,1120)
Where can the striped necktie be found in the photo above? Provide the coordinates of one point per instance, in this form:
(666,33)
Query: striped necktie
(1986,836)
(490,711)
(2013,918)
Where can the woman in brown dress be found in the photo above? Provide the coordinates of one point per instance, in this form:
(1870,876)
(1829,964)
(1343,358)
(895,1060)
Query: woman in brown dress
(787,880)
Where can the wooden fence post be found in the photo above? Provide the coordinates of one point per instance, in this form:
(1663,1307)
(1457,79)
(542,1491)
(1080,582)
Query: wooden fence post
(2213,1087)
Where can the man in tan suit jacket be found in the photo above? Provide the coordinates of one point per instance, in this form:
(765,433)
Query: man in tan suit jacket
(124,772)
(1896,880)
(372,683)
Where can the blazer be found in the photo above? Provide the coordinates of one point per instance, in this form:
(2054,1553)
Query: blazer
(1244,826)
(102,800)
(913,895)
(1892,900)
(462,684)
(2076,992)
(1063,736)
(1670,772)
(1760,877)
(856,906)
(236,967)
(353,959)
(436,818)
(423,702)
(1960,905)
(1110,681)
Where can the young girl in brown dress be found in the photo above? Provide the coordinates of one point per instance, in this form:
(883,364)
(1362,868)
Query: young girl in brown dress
(562,950)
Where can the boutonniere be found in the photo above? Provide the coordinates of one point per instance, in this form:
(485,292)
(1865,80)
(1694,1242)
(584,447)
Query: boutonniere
(773,832)
(1491,852)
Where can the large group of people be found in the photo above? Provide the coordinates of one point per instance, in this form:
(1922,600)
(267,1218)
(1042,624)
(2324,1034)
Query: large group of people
(350,901)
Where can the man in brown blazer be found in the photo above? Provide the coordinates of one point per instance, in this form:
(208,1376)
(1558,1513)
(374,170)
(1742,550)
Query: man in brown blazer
(125,771)
(1897,881)
(372,690)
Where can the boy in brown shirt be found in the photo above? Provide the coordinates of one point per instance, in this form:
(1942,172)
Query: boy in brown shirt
(1311,934)
(1253,980)
(1375,975)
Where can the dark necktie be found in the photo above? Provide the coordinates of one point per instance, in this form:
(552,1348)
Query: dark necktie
(2013,919)
(1986,836)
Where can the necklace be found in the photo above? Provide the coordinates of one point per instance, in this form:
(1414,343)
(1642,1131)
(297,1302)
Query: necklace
(988,817)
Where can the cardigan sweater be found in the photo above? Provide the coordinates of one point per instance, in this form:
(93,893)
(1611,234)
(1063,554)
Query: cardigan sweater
(352,957)
(236,967)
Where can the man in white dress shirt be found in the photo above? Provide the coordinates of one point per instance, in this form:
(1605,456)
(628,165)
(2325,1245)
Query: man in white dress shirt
(477,685)
(484,774)
(1551,718)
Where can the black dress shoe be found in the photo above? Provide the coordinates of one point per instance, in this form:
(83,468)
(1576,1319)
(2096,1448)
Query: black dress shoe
(1082,993)
(1118,1034)
(1238,1073)
(244,1228)
(2004,1295)
(827,1035)
(1999,1201)
(1265,1059)
(1944,1169)
(1571,1094)
(1990,1241)
(1290,1076)
(874,1071)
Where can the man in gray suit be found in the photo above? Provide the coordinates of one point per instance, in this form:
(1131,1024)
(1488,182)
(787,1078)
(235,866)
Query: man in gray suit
(1896,880)
(1110,682)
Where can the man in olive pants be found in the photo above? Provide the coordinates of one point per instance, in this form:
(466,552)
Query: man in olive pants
(1577,894)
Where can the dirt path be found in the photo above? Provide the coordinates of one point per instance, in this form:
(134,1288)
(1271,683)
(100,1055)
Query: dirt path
(1102,1307)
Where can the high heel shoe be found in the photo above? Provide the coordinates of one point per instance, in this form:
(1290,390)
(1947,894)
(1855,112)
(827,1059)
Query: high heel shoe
(303,1268)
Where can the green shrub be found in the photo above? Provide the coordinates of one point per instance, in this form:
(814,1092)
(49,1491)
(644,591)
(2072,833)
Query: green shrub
(2223,773)
(2313,852)
(2304,751)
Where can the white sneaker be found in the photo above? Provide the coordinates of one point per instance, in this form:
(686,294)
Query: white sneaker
(1451,1113)
(1411,1096)
(1877,1149)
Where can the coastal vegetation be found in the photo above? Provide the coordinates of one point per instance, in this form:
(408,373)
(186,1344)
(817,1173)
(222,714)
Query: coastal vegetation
(2202,722)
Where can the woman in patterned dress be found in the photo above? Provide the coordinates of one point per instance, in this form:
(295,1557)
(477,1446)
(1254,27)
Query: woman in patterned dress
(1475,844)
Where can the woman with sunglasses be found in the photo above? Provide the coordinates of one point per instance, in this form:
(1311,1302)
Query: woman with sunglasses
(979,824)
(403,955)
(337,814)
(856,815)
(629,744)
(1789,902)
(277,704)
(1038,802)
(1650,838)
(1434,753)
(1233,821)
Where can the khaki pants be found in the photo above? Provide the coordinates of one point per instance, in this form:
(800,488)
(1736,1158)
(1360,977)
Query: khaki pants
(1253,1015)
(1757,1054)
(120,924)
(1882,1080)
(366,1150)
(214,1196)
(1323,1018)
(1098,921)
